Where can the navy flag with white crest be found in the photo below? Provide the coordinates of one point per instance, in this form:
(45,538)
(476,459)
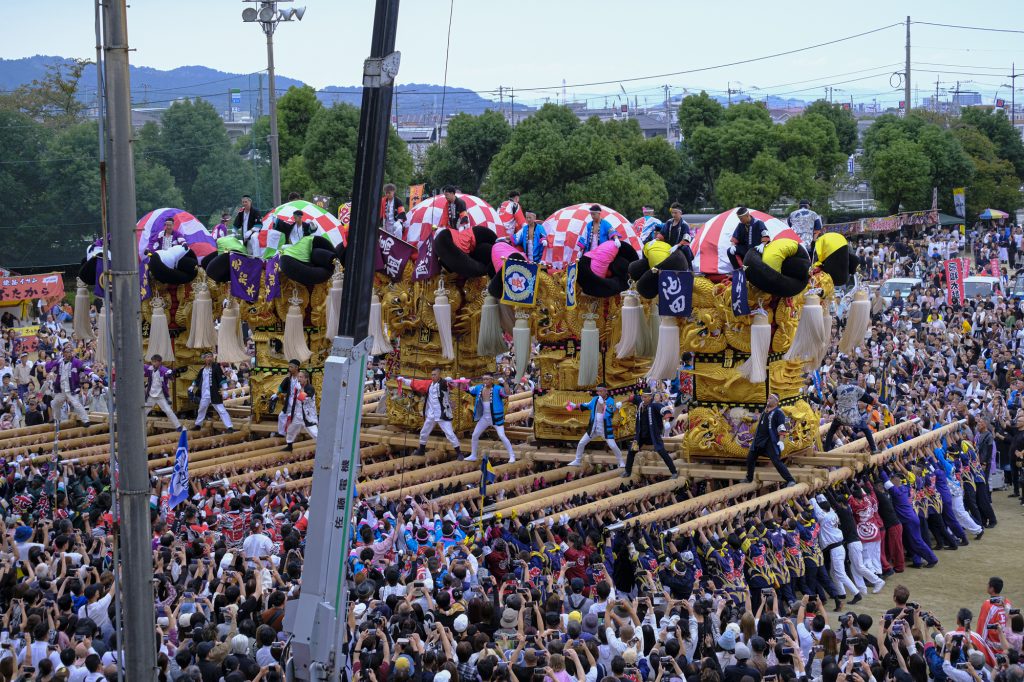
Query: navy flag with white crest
(675,293)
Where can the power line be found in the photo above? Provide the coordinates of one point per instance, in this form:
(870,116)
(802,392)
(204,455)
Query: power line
(717,66)
(969,28)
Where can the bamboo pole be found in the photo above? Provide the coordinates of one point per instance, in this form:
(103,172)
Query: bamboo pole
(460,479)
(695,504)
(219,441)
(633,495)
(861,443)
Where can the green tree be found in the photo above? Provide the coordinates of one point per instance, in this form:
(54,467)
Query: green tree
(699,110)
(994,182)
(842,120)
(900,175)
(192,134)
(466,154)
(811,136)
(52,99)
(555,161)
(330,153)
(296,109)
(154,186)
(998,129)
(295,177)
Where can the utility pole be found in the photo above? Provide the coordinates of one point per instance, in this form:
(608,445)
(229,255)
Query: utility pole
(139,647)
(259,101)
(935,102)
(317,620)
(1013,96)
(275,152)
(956,97)
(668,117)
(906,84)
(728,89)
(501,99)
(512,97)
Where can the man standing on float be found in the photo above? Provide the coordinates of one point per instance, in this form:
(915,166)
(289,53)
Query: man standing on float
(602,409)
(437,408)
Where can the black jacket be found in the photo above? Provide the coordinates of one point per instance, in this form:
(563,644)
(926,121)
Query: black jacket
(649,423)
(254,217)
(748,236)
(674,234)
(216,377)
(767,435)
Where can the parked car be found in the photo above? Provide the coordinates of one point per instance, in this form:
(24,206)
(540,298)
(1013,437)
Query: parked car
(981,285)
(902,284)
(1017,286)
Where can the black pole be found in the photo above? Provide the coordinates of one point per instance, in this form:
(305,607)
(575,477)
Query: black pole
(374,119)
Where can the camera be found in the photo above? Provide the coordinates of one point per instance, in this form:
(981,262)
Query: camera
(913,605)
(780,629)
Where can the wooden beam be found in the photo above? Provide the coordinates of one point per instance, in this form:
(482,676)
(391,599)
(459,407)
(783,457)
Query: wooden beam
(518,502)
(894,430)
(518,467)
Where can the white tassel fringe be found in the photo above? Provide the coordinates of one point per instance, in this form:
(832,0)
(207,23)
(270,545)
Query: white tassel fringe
(632,318)
(590,352)
(159,334)
(666,358)
(82,327)
(229,336)
(810,332)
(295,345)
(381,343)
(201,330)
(858,321)
(522,343)
(443,317)
(755,369)
(490,341)
(102,349)
(333,306)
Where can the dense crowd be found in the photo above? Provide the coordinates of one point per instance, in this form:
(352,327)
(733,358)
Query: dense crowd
(554,594)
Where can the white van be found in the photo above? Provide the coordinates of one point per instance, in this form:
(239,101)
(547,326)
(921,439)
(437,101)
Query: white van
(902,284)
(981,285)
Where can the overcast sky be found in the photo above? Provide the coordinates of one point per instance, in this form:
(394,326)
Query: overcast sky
(534,44)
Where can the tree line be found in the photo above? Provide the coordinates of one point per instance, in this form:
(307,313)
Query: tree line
(729,156)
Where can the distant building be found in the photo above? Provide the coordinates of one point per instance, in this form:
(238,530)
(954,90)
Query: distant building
(418,139)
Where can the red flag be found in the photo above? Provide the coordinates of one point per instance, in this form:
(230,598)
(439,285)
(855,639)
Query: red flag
(993,265)
(954,281)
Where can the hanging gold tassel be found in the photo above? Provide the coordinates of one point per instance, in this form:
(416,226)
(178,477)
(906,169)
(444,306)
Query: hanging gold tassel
(381,343)
(334,302)
(489,341)
(82,327)
(590,351)
(102,348)
(522,343)
(858,321)
(666,358)
(201,331)
(443,317)
(810,332)
(295,345)
(159,333)
(632,319)
(229,335)
(755,369)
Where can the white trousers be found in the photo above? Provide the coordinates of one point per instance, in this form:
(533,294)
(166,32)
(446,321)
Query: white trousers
(165,406)
(74,404)
(837,571)
(297,426)
(446,427)
(481,426)
(873,556)
(612,445)
(862,573)
(965,519)
(204,405)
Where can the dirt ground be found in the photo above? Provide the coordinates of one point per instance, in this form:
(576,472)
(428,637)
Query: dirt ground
(961,577)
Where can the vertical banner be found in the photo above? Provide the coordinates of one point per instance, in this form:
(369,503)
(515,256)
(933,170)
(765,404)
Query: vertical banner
(427,265)
(993,266)
(740,302)
(392,254)
(960,201)
(415,195)
(570,286)
(675,293)
(272,271)
(246,277)
(954,281)
(519,283)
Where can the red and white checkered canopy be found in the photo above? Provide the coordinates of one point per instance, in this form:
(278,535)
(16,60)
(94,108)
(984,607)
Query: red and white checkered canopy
(326,223)
(427,214)
(567,225)
(711,245)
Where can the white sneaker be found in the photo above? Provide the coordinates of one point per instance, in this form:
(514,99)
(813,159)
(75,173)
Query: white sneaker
(576,462)
(879,587)
(471,458)
(512,458)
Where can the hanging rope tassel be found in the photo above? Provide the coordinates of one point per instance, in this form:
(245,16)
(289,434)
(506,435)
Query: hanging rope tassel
(666,358)
(334,304)
(489,341)
(755,369)
(590,351)
(159,333)
(381,343)
(810,332)
(295,345)
(443,317)
(647,335)
(522,343)
(102,349)
(82,327)
(201,331)
(632,317)
(229,336)
(826,326)
(858,321)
